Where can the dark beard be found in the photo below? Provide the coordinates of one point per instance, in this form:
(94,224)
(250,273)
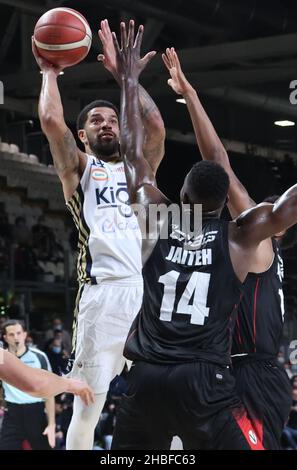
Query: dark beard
(104,150)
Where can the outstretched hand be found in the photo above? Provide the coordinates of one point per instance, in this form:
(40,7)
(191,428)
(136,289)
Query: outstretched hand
(129,63)
(109,57)
(178,81)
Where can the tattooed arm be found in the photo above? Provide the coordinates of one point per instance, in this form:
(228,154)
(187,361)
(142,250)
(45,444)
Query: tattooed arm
(69,161)
(154,136)
(153,147)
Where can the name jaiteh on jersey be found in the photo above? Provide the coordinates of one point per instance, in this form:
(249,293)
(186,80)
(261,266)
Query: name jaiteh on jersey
(191,254)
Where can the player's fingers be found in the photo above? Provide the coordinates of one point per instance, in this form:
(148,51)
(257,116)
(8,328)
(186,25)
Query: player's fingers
(115,42)
(123,35)
(145,60)
(170,82)
(166,61)
(130,40)
(138,39)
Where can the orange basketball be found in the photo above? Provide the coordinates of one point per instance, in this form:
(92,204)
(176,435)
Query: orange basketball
(63,36)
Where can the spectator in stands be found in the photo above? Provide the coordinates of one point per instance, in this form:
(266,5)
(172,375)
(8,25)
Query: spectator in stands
(290,430)
(25,263)
(59,330)
(4,258)
(30,341)
(3,320)
(294,368)
(57,356)
(108,425)
(63,417)
(5,241)
(5,227)
(22,235)
(43,240)
(293,381)
(287,368)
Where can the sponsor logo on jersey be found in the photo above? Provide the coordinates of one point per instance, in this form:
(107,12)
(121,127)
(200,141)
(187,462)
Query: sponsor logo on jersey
(99,174)
(110,226)
(252,437)
(193,242)
(115,196)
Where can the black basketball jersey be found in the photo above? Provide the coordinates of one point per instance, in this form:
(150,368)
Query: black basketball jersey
(189,295)
(259,323)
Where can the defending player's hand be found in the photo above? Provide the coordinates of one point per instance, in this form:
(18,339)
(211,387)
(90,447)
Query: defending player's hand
(108,58)
(178,81)
(129,63)
(42,63)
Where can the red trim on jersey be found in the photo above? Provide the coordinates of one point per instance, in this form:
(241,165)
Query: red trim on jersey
(255,312)
(253,433)
(258,425)
(237,322)
(238,331)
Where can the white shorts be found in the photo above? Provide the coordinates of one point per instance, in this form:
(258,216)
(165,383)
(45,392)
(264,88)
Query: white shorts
(105,314)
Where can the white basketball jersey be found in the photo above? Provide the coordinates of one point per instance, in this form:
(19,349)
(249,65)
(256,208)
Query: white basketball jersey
(109,235)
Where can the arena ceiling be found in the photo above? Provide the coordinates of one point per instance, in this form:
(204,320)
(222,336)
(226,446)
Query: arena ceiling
(241,56)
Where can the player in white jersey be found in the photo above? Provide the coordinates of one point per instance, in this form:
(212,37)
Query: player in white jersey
(109,261)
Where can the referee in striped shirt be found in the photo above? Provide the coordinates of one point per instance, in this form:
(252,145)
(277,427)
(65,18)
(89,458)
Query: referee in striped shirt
(27,418)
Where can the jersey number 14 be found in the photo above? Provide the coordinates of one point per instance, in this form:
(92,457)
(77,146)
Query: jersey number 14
(196,288)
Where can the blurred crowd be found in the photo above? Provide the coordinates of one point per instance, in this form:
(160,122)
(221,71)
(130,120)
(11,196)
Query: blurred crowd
(37,256)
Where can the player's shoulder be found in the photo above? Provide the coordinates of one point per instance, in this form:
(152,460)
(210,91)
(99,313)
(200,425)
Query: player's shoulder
(37,352)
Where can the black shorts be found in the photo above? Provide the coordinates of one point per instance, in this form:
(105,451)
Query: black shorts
(266,392)
(195,401)
(24,422)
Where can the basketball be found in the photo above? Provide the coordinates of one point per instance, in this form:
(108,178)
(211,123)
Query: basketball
(63,36)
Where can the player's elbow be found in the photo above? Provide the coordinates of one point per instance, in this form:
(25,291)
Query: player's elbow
(156,128)
(50,124)
(219,155)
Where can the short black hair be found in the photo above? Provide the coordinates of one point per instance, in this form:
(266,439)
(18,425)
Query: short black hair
(209,182)
(12,323)
(83,115)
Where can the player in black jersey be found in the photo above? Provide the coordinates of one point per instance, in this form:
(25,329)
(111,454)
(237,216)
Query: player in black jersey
(261,383)
(180,382)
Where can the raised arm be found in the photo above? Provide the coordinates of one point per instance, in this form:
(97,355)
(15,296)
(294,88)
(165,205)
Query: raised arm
(69,161)
(256,226)
(154,136)
(39,382)
(210,146)
(139,174)
(266,220)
